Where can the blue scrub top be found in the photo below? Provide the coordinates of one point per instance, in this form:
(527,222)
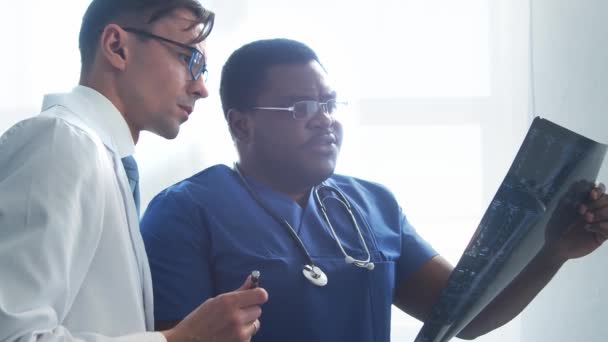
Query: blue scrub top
(206,234)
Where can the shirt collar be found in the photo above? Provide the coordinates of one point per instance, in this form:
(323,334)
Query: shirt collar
(99,113)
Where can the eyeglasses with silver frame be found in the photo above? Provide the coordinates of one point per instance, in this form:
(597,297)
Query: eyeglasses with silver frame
(304,110)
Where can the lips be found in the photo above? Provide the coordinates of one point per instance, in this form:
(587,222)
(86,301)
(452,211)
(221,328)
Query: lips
(323,139)
(187,109)
(324,143)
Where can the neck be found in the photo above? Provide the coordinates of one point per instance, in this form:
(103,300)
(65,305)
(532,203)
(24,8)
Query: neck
(297,192)
(103,85)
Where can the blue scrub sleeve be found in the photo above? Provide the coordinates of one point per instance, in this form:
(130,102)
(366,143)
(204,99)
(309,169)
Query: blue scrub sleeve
(178,255)
(415,251)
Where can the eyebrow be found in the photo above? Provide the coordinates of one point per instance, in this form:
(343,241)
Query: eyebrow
(191,41)
(194,42)
(295,98)
(331,95)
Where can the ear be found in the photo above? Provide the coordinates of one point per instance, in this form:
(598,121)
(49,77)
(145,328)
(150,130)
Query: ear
(113,46)
(241,125)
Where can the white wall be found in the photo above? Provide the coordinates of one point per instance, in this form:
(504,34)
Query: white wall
(570,77)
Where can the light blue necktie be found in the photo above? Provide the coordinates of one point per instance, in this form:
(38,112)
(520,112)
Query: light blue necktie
(130,166)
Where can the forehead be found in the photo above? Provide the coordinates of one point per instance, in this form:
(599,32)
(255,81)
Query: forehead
(179,25)
(296,80)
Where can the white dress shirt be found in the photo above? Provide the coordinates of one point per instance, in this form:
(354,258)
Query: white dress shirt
(72,263)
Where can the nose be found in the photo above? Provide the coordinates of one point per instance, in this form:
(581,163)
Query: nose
(323,118)
(198,88)
(324,108)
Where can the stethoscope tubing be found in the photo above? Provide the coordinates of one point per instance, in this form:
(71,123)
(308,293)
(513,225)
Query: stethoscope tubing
(342,199)
(365,263)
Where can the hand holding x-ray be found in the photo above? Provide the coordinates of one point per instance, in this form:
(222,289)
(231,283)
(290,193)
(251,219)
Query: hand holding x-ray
(579,225)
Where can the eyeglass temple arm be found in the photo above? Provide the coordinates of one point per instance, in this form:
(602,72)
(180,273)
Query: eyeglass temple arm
(276,108)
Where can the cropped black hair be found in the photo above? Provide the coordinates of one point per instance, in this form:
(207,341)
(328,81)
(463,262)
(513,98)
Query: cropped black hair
(244,72)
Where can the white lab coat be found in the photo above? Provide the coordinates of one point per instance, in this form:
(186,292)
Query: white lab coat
(72,263)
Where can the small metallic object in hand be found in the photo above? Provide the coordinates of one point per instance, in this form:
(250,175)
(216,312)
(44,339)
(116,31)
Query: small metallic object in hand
(255,279)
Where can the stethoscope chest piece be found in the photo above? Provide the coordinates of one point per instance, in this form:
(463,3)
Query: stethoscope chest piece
(315,275)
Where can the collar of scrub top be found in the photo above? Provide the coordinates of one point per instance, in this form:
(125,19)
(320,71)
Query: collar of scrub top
(312,272)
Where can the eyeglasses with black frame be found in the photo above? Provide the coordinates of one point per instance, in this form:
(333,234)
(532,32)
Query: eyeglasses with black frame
(196,59)
(304,110)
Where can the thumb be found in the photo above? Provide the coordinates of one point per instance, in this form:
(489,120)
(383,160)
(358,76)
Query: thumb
(246,285)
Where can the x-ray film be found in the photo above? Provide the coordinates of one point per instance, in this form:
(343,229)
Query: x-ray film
(551,175)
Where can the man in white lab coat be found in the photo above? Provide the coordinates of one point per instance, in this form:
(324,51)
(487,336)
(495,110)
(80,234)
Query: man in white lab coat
(72,263)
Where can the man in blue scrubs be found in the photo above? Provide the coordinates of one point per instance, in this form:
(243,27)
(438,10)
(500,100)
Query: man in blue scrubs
(328,278)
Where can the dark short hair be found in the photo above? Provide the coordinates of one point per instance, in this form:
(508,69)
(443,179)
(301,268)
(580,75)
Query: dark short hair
(100,13)
(244,73)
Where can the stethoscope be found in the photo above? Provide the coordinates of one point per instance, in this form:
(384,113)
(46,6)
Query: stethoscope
(311,271)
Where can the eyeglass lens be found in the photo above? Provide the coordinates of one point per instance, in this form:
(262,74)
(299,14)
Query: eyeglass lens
(197,66)
(303,109)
